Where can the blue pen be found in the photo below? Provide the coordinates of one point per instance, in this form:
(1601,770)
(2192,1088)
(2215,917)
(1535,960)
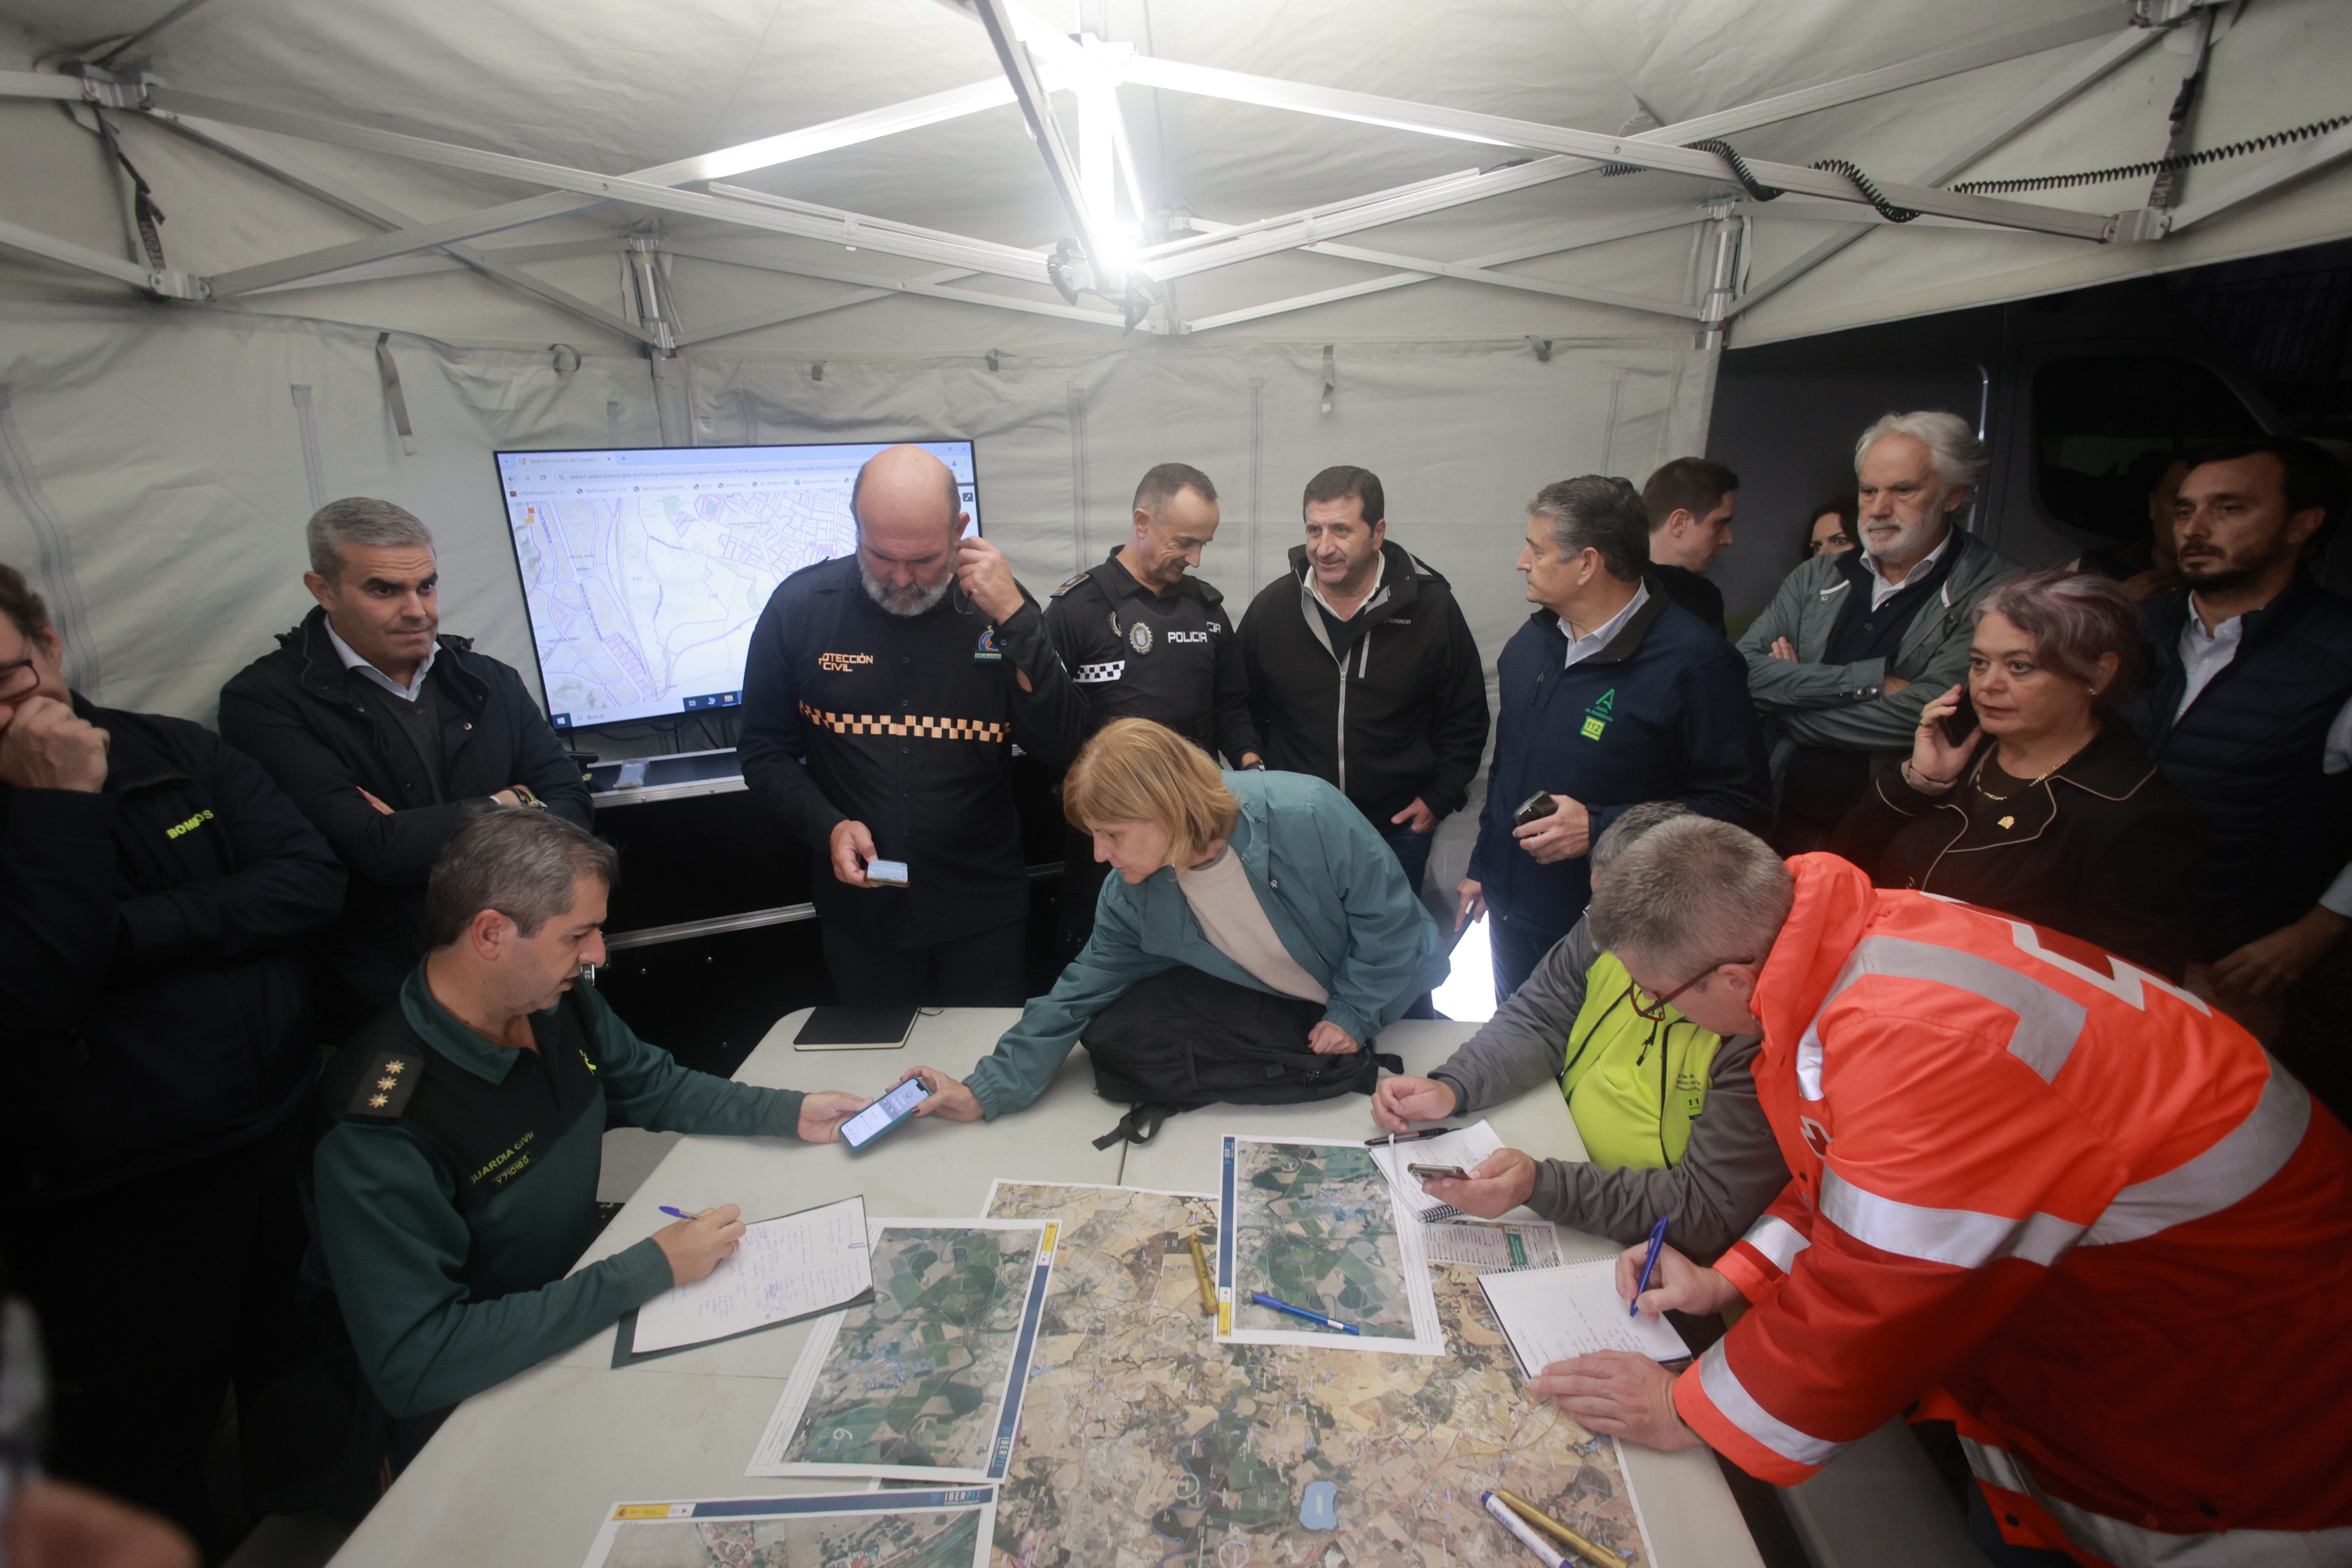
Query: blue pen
(681,1213)
(1649,1264)
(1265,1300)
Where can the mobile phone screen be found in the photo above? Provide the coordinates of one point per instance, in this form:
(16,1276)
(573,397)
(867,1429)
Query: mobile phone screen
(884,1113)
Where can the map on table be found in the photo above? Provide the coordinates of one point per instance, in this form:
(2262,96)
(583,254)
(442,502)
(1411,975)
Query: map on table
(943,1529)
(1315,1223)
(925,1382)
(1143,1441)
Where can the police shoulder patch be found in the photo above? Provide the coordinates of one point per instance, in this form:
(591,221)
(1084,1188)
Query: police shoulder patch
(385,1089)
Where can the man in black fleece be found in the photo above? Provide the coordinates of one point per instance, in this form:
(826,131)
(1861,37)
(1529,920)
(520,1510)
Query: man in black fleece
(1362,672)
(155,891)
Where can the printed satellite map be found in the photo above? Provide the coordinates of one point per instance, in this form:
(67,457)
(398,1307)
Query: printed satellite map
(819,1533)
(1316,1224)
(916,1383)
(1145,1443)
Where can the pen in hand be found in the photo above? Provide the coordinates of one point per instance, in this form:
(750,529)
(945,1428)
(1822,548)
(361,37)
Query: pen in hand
(675,1213)
(1649,1264)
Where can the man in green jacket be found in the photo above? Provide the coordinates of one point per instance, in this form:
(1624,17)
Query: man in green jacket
(454,1177)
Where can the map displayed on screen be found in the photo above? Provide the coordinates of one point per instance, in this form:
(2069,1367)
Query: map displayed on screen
(644,570)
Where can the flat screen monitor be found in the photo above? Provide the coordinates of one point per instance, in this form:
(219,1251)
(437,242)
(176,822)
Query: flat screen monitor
(646,568)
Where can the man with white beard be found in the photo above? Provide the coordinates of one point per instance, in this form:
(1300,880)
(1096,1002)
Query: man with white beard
(881,699)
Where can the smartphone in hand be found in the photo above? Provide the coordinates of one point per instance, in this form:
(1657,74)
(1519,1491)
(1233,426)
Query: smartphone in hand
(1451,1173)
(1961,723)
(1535,808)
(861,1130)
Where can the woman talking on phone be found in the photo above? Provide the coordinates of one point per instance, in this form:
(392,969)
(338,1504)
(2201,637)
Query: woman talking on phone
(2023,793)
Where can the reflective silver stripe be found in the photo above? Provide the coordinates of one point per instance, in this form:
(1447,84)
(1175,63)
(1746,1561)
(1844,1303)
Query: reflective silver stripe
(1777,1240)
(2048,1022)
(1091,674)
(1962,1238)
(1730,1396)
(2130,1546)
(1808,1057)
(2232,1170)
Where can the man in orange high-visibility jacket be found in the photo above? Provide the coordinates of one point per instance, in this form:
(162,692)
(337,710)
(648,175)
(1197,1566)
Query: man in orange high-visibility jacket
(2034,1190)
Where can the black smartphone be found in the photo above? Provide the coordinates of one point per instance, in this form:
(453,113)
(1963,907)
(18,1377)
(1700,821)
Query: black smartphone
(1538,807)
(1452,1173)
(1961,723)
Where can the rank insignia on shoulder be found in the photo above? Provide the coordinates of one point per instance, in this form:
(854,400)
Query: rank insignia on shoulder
(1070,585)
(384,1089)
(988,652)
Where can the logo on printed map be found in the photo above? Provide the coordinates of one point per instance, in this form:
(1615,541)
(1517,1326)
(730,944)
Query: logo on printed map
(1597,717)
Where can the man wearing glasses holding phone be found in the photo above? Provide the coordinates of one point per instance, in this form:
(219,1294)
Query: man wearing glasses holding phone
(155,894)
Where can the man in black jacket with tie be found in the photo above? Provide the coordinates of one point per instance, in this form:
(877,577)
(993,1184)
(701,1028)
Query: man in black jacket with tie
(388,736)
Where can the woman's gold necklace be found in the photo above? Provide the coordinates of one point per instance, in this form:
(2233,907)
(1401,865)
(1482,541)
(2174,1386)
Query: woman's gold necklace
(1976,781)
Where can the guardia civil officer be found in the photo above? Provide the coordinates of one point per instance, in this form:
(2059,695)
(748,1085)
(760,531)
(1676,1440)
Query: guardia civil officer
(1144,639)
(881,699)
(156,891)
(458,1133)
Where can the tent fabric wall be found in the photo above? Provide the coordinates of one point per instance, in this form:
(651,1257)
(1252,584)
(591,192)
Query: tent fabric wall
(159,477)
(1462,436)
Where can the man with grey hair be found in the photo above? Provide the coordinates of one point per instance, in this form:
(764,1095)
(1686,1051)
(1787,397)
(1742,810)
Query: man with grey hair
(881,698)
(2022,1170)
(1611,694)
(388,736)
(457,1133)
(1667,1110)
(1854,644)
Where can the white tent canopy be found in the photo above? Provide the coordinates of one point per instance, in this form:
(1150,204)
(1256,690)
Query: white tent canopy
(1472,247)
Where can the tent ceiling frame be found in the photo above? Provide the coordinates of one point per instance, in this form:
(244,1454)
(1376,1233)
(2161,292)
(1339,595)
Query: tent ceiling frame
(345,197)
(2032,110)
(1037,59)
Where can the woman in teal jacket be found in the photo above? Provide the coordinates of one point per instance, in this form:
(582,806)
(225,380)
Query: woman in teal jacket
(1268,880)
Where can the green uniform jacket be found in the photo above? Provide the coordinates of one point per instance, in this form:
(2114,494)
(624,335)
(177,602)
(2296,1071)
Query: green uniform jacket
(1844,707)
(452,1280)
(1331,888)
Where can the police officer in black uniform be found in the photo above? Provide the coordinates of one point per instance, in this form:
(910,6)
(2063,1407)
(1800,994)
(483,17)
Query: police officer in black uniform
(1145,639)
(881,698)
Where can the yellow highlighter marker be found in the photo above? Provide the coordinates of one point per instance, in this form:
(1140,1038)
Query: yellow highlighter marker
(1201,1269)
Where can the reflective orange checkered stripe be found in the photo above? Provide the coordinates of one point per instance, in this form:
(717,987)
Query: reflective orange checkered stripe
(913,724)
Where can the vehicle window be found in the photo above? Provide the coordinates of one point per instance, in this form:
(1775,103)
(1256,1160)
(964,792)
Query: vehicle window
(2097,421)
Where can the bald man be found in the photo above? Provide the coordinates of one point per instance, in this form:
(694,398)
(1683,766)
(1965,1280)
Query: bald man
(881,701)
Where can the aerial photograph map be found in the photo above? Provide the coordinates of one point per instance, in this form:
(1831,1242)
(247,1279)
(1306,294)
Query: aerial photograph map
(1146,1443)
(930,1530)
(1317,1225)
(639,597)
(922,1382)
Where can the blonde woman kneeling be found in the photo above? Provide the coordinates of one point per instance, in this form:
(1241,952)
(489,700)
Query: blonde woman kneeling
(1258,935)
